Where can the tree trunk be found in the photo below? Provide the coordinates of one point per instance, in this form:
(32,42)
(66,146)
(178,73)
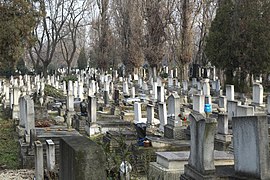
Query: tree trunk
(69,64)
(45,70)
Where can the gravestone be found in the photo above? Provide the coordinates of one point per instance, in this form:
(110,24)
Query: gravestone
(50,153)
(160,93)
(198,103)
(125,88)
(133,92)
(150,114)
(27,116)
(223,138)
(251,146)
(230,92)
(206,87)
(174,128)
(162,114)
(257,94)
(116,96)
(231,108)
(39,167)
(81,159)
(137,113)
(222,103)
(91,127)
(201,160)
(268,104)
(15,108)
(155,93)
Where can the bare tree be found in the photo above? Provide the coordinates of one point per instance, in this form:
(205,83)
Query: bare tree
(207,10)
(104,34)
(187,31)
(155,37)
(50,31)
(128,21)
(75,24)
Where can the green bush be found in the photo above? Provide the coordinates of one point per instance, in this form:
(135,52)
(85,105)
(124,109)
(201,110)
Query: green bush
(53,92)
(72,78)
(164,75)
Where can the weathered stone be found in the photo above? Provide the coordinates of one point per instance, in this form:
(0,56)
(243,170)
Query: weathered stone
(81,158)
(39,169)
(251,146)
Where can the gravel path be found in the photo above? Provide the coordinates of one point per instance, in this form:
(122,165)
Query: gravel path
(19,174)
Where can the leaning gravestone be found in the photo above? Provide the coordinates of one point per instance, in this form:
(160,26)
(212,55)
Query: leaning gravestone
(81,159)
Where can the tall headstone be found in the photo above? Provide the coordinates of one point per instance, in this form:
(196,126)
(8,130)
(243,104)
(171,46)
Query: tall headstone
(222,103)
(116,96)
(257,94)
(137,112)
(92,109)
(133,92)
(162,113)
(91,127)
(174,109)
(150,114)
(50,153)
(64,88)
(155,93)
(80,90)
(160,93)
(206,88)
(15,108)
(30,114)
(70,103)
(75,89)
(125,88)
(39,167)
(232,108)
(268,104)
(106,93)
(230,92)
(174,128)
(198,103)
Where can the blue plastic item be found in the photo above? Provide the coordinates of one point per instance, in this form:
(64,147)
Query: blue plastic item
(140,141)
(207,108)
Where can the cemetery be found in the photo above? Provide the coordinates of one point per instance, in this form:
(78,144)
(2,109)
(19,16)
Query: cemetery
(134,90)
(136,128)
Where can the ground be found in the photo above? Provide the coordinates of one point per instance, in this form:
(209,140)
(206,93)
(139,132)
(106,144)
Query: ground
(9,160)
